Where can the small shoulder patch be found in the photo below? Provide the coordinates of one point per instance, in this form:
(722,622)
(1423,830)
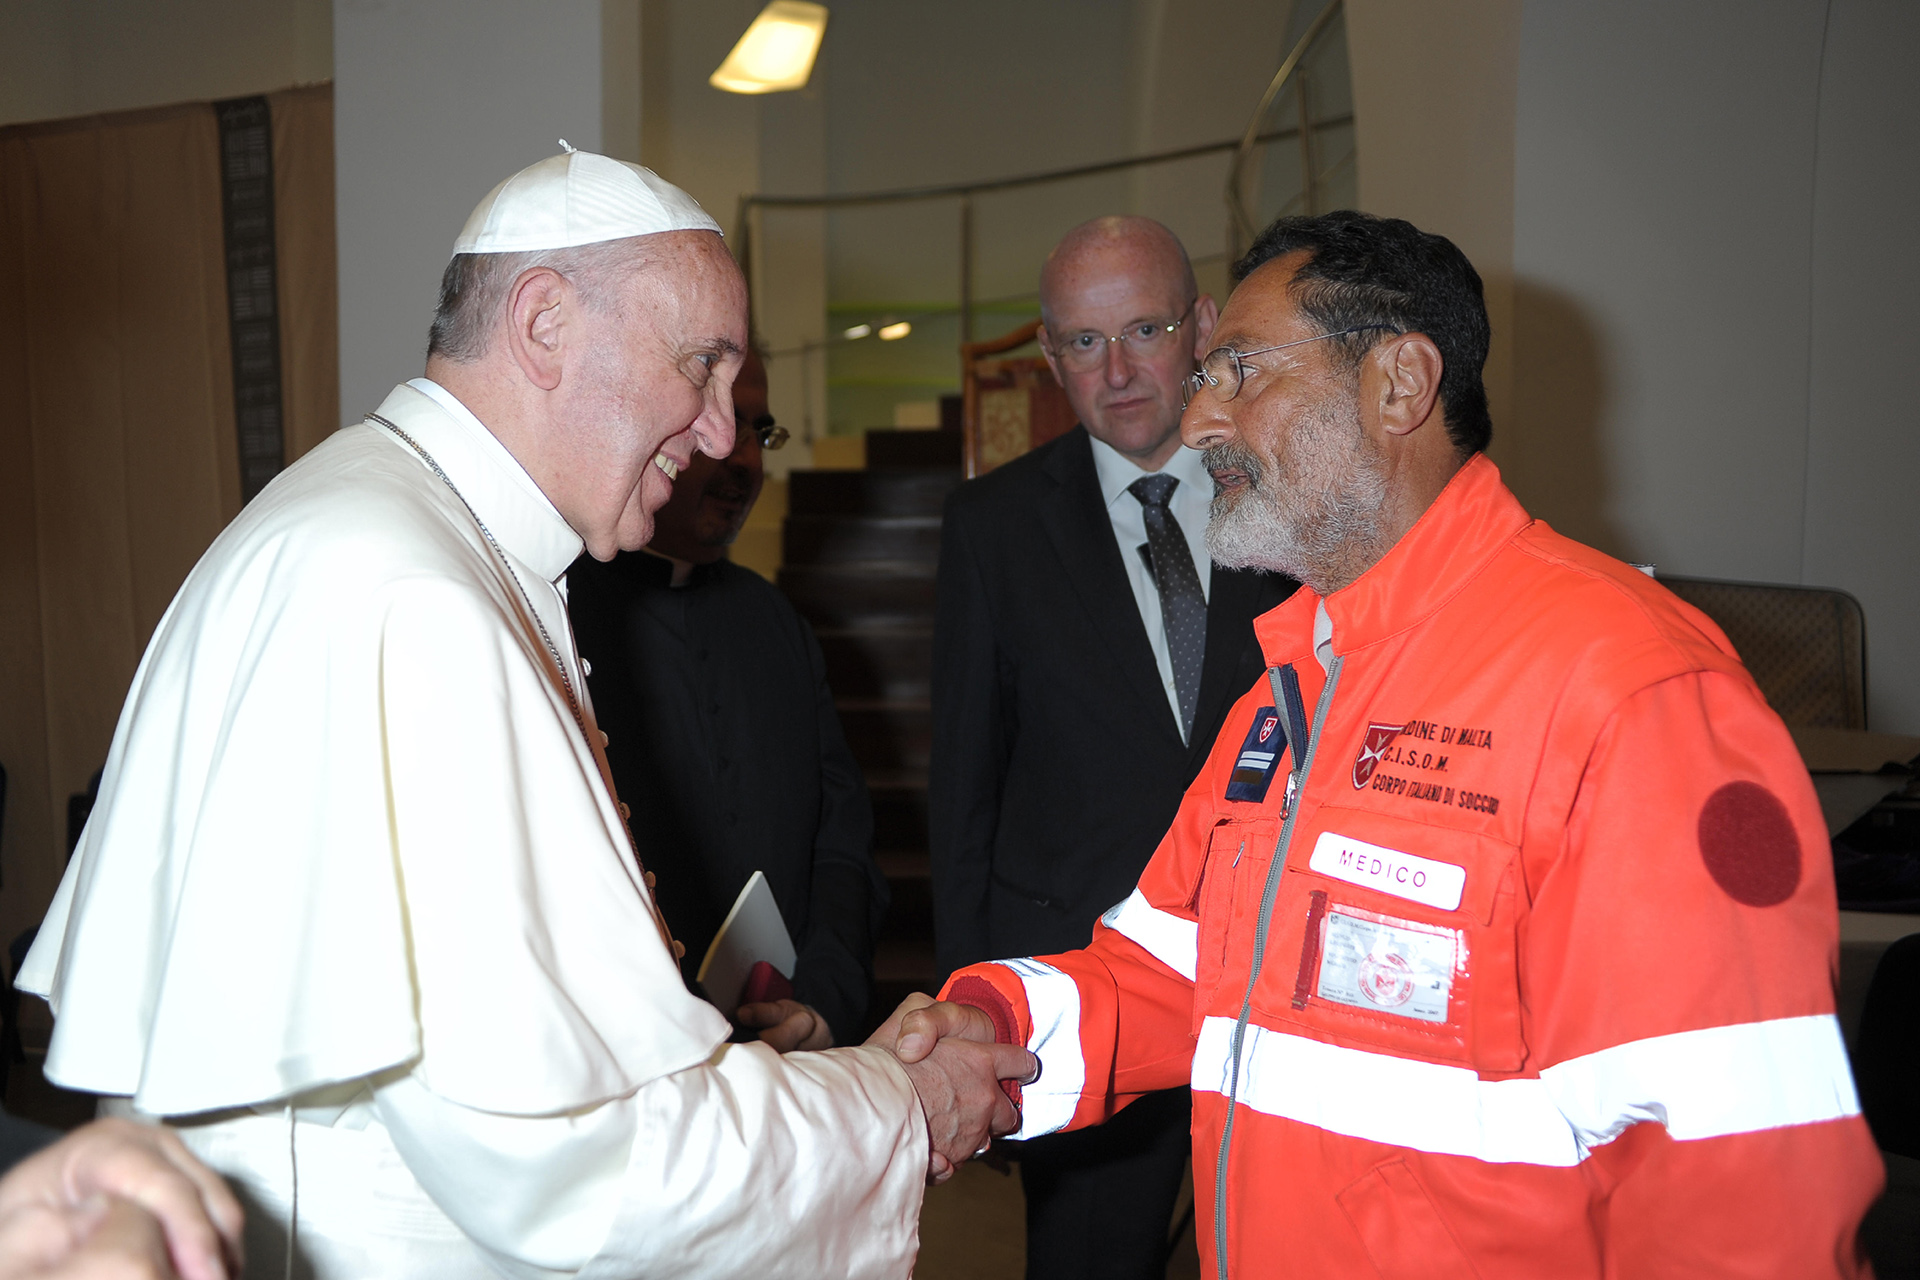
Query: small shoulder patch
(1253,767)
(1749,845)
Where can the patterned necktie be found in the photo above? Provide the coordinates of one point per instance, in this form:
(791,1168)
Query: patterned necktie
(1183,607)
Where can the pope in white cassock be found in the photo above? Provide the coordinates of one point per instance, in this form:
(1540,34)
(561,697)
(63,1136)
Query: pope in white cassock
(357,913)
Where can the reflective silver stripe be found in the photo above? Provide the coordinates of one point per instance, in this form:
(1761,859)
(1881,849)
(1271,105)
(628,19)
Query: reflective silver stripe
(1053,1003)
(1172,940)
(1709,1083)
(1699,1084)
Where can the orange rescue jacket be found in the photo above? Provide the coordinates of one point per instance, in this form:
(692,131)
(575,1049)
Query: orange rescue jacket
(1502,947)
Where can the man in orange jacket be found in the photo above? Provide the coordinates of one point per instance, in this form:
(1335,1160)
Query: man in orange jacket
(1497,938)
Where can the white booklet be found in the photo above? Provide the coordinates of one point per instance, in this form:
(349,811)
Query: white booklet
(752,932)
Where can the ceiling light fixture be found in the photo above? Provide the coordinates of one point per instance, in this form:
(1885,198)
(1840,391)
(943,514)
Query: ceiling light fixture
(888,332)
(777,51)
(858,331)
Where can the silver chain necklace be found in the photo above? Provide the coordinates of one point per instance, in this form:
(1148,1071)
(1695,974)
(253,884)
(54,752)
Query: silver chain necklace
(566,682)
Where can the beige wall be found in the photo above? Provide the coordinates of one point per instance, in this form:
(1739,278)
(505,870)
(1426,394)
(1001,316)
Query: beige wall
(62,58)
(1692,224)
(1433,88)
(435,102)
(1862,478)
(1715,258)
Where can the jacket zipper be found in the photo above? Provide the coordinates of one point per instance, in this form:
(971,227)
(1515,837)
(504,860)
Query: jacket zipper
(1297,786)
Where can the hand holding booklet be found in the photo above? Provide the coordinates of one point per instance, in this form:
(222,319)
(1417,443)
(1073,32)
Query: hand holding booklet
(751,959)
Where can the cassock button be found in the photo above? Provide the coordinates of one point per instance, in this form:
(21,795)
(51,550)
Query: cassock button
(650,878)
(605,741)
(586,666)
(679,949)
(625,810)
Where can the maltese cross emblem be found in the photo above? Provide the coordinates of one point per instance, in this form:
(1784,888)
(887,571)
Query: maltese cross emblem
(1379,738)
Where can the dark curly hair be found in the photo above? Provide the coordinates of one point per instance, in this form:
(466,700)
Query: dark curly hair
(1384,271)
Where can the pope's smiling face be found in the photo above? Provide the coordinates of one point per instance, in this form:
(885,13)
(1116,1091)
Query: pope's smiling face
(713,496)
(656,383)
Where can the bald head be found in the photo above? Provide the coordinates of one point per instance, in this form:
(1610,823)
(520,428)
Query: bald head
(1118,245)
(1124,278)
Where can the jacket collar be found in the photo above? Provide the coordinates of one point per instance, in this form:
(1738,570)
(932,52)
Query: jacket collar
(492,481)
(1474,516)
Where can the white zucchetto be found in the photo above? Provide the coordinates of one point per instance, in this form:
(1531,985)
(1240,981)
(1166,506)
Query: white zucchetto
(578,198)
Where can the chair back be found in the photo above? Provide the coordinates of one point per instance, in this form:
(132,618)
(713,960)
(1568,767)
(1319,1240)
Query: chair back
(1806,646)
(1008,404)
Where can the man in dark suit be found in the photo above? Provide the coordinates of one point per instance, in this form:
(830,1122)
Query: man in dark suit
(1085,653)
(722,735)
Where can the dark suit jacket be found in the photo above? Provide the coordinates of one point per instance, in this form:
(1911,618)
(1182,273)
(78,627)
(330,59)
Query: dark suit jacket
(724,740)
(1057,762)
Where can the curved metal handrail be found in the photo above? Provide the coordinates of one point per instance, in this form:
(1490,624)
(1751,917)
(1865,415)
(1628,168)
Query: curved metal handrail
(1240,228)
(965,191)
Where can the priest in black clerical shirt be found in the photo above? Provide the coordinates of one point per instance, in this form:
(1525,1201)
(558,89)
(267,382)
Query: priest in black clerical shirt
(723,738)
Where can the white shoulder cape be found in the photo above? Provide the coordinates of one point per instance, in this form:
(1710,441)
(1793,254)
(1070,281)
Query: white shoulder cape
(348,823)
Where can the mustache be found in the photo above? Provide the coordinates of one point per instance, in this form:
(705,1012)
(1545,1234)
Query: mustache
(1232,457)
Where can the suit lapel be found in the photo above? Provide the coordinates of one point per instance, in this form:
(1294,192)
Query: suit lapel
(1076,522)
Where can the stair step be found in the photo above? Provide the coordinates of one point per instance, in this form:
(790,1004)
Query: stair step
(891,491)
(815,539)
(895,664)
(923,448)
(872,593)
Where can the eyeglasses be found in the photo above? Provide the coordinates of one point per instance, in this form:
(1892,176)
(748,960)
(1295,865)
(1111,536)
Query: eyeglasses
(772,434)
(1087,350)
(1223,369)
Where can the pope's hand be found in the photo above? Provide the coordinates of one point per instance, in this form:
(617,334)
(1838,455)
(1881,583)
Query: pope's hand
(786,1025)
(957,1076)
(117,1199)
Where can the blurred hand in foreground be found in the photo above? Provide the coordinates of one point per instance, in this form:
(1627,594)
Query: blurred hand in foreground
(958,1079)
(786,1025)
(117,1200)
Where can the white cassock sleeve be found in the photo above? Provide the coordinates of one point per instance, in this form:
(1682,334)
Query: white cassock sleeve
(752,1164)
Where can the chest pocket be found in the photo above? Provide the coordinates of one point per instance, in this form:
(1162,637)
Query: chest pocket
(1394,934)
(1228,904)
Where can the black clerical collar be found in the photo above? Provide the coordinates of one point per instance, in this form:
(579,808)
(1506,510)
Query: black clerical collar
(657,570)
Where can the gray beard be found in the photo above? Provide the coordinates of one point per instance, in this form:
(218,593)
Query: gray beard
(1318,522)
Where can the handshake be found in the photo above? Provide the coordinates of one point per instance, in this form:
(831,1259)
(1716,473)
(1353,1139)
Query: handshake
(949,1053)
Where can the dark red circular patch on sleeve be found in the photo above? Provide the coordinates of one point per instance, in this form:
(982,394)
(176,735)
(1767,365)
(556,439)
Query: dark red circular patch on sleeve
(1749,845)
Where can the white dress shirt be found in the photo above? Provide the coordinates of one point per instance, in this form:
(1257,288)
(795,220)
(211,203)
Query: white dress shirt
(1191,499)
(357,914)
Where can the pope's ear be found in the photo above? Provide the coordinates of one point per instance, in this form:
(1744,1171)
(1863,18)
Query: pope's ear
(538,306)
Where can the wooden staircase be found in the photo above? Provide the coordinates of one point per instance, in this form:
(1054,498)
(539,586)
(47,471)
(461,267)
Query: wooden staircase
(859,549)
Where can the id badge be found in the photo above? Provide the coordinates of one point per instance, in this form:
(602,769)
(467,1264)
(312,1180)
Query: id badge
(1259,757)
(1387,966)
